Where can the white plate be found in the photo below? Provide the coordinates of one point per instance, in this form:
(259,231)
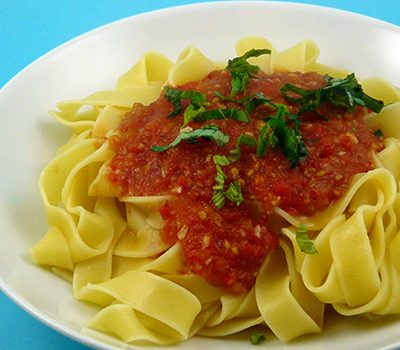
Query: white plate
(92,62)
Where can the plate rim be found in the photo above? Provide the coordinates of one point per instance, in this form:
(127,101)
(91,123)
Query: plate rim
(218,3)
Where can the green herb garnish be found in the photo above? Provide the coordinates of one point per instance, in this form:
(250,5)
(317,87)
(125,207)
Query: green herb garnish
(223,113)
(221,160)
(175,96)
(192,112)
(250,102)
(257,337)
(378,133)
(196,109)
(305,243)
(345,92)
(234,191)
(281,129)
(211,132)
(266,138)
(235,153)
(241,70)
(256,100)
(242,140)
(277,131)
(218,197)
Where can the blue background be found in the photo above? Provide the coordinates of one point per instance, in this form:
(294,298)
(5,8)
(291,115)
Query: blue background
(30,28)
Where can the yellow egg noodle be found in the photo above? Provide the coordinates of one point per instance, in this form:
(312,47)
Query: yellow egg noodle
(109,258)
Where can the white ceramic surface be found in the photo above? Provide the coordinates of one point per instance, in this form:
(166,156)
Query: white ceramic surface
(92,62)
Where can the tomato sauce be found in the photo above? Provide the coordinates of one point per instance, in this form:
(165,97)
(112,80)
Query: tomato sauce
(227,246)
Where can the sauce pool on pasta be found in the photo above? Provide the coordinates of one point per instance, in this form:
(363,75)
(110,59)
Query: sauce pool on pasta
(227,246)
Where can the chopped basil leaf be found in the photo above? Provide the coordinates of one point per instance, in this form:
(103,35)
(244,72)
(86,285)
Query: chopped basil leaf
(191,113)
(235,153)
(305,243)
(212,132)
(223,113)
(372,103)
(310,100)
(257,337)
(345,92)
(241,70)
(266,138)
(250,102)
(277,132)
(349,93)
(378,133)
(221,160)
(256,100)
(247,140)
(218,197)
(243,139)
(291,141)
(175,96)
(234,193)
(196,109)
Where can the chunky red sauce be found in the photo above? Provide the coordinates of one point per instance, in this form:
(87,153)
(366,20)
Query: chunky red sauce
(228,245)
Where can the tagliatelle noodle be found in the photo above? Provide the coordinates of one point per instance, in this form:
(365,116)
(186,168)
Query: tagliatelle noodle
(122,320)
(355,246)
(191,65)
(280,291)
(381,89)
(158,302)
(387,121)
(112,251)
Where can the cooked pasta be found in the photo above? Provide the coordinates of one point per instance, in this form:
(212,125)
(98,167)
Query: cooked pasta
(108,242)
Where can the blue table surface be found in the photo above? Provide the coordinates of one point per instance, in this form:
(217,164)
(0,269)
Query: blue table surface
(30,28)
